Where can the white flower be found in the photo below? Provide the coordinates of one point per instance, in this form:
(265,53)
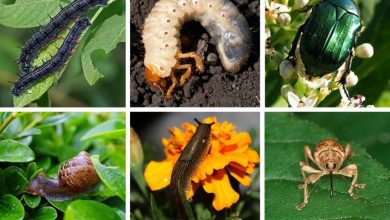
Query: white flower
(364,51)
(356,101)
(272,11)
(295,102)
(318,82)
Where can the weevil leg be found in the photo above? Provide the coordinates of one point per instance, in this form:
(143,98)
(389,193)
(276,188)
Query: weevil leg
(351,171)
(308,154)
(171,87)
(186,75)
(196,57)
(306,181)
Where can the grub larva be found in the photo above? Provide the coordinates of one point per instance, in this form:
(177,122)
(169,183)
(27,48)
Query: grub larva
(161,37)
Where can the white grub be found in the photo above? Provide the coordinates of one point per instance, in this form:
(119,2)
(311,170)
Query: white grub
(222,20)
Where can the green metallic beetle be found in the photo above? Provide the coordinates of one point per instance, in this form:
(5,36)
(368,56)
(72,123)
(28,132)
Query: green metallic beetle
(327,38)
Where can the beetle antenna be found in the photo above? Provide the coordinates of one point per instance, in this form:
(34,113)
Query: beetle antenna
(331,183)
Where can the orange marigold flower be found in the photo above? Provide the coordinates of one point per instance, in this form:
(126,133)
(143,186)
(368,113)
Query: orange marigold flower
(229,153)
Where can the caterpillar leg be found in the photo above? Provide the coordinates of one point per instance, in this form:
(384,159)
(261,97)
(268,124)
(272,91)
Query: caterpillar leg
(171,87)
(186,75)
(196,57)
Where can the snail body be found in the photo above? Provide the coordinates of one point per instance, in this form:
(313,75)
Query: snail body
(75,176)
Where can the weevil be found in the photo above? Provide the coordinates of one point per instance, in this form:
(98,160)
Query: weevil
(328,156)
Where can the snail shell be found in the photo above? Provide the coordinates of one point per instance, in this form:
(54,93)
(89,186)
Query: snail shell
(75,176)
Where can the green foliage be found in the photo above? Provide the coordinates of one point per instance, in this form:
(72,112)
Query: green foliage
(49,139)
(284,140)
(372,73)
(106,33)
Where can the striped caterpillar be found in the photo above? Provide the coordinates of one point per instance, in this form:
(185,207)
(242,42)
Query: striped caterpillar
(55,62)
(222,20)
(51,30)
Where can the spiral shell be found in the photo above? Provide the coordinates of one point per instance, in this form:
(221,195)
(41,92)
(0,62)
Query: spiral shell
(78,173)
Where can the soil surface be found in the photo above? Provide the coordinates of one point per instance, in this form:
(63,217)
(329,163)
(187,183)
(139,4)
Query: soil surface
(214,87)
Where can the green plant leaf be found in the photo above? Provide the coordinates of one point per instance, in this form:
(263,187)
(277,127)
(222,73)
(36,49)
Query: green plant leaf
(45,213)
(31,169)
(88,209)
(285,138)
(13,151)
(32,201)
(15,180)
(111,177)
(156,211)
(10,208)
(109,34)
(112,129)
(14,15)
(30,132)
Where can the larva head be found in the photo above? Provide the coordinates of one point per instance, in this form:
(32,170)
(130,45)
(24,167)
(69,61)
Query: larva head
(154,77)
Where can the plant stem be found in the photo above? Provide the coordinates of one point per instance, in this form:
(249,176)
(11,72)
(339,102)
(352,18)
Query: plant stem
(10,118)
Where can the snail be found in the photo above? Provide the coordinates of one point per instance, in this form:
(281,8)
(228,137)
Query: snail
(75,176)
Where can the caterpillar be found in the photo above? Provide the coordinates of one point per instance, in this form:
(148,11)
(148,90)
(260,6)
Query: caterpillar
(187,164)
(222,20)
(50,66)
(51,30)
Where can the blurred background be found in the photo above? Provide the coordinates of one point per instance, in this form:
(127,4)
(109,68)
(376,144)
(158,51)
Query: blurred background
(72,90)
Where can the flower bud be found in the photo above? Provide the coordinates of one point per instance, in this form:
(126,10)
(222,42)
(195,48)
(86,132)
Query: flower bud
(285,90)
(136,152)
(284,19)
(364,51)
(300,3)
(287,70)
(352,79)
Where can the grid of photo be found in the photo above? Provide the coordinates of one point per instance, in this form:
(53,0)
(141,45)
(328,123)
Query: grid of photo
(194,109)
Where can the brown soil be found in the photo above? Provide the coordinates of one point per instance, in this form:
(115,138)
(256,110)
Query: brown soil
(212,88)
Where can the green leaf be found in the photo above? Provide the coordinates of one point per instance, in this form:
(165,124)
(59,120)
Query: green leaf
(54,120)
(10,208)
(28,13)
(111,177)
(108,35)
(15,180)
(87,209)
(111,129)
(13,151)
(285,138)
(61,205)
(30,132)
(32,201)
(31,169)
(45,213)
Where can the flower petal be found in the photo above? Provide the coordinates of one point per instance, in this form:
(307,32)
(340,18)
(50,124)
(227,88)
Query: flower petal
(239,175)
(158,174)
(219,185)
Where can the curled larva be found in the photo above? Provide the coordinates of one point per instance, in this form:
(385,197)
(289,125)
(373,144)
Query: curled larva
(222,20)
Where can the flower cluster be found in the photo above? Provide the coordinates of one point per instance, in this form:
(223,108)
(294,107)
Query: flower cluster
(300,89)
(229,153)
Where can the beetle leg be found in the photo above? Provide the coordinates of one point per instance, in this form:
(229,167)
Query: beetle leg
(307,180)
(308,154)
(171,87)
(196,57)
(351,171)
(343,79)
(186,75)
(347,151)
